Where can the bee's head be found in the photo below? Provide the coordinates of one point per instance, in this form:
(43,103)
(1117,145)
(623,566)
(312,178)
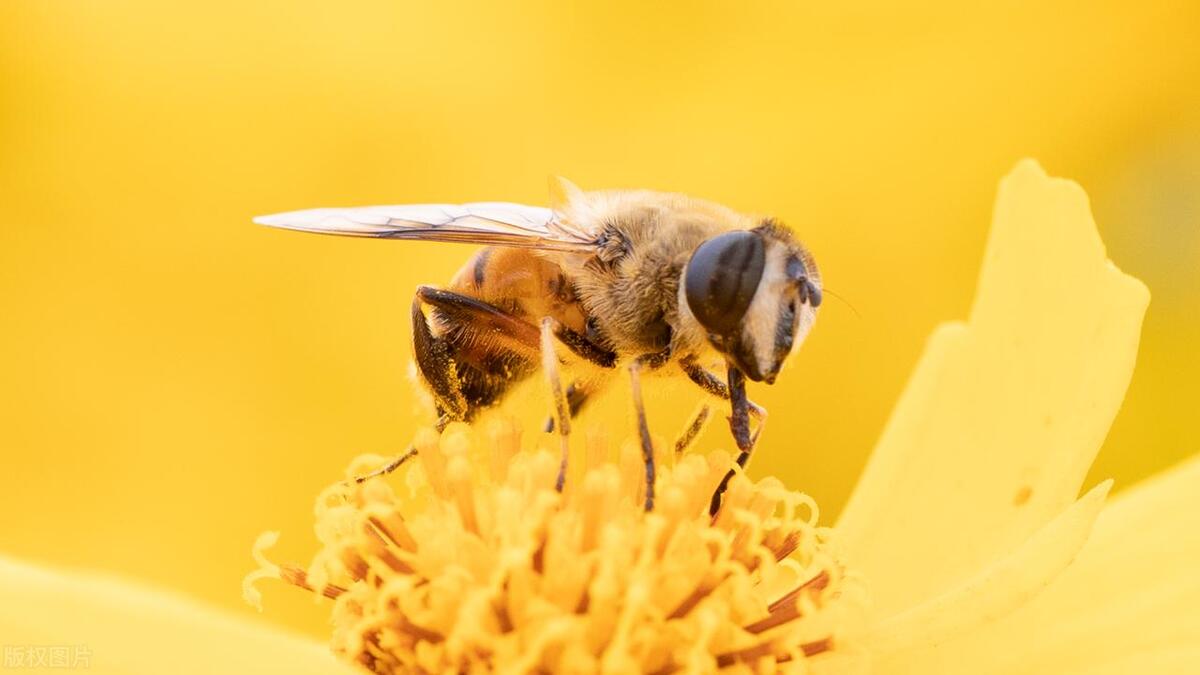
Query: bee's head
(755,293)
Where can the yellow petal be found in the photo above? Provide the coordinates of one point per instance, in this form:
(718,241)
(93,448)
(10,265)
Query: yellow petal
(110,626)
(999,589)
(1004,414)
(1128,604)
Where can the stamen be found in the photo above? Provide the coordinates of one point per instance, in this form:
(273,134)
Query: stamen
(787,608)
(477,561)
(391,524)
(296,576)
(751,654)
(702,591)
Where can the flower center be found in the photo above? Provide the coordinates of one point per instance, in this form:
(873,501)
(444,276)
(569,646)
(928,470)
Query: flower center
(474,561)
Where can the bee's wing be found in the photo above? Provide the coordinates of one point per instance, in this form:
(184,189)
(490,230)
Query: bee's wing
(490,223)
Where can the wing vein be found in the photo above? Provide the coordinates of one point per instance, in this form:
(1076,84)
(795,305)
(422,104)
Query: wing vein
(489,223)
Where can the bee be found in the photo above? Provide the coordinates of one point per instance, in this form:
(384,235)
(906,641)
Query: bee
(623,279)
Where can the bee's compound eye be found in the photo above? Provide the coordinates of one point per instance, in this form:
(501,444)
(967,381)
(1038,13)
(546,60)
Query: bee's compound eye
(721,279)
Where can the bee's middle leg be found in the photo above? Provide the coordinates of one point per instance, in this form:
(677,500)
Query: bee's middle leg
(693,429)
(562,409)
(649,361)
(643,427)
(579,345)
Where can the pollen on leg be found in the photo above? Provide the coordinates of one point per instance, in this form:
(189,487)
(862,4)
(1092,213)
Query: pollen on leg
(470,559)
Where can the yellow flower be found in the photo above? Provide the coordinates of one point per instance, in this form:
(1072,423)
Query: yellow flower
(963,549)
(479,562)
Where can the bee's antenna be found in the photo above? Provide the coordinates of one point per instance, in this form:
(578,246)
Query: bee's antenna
(844,301)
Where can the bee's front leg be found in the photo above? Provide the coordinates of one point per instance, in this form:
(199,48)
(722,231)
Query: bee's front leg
(716,387)
(739,418)
(741,410)
(739,424)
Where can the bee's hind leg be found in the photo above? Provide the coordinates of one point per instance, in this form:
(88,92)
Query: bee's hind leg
(436,366)
(389,467)
(434,361)
(400,460)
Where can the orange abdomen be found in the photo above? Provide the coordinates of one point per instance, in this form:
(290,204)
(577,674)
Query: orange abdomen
(520,283)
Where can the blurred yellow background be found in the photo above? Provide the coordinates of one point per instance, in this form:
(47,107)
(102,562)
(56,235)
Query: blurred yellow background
(175,379)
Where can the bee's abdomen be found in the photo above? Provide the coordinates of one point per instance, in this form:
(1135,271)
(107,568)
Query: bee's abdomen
(485,322)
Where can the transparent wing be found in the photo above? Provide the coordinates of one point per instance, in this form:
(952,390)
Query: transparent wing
(490,223)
